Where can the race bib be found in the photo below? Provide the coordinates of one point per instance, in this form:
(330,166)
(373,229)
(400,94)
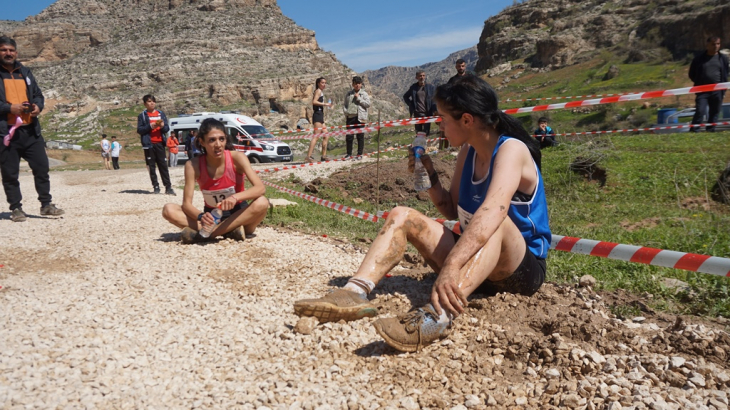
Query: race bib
(464,218)
(213,198)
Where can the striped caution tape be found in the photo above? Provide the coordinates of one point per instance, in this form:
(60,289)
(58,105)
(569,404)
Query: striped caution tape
(622,98)
(629,253)
(669,127)
(583,103)
(641,254)
(328,204)
(572,97)
(368,154)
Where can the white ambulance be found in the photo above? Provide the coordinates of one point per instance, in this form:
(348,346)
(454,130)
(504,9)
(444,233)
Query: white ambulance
(246,133)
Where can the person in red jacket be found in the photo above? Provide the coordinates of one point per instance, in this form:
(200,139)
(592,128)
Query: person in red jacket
(172,143)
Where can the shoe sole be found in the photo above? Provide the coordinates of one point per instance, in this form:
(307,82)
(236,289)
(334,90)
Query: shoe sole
(327,312)
(394,343)
(19,219)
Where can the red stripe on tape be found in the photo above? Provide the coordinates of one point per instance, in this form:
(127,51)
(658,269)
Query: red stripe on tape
(644,255)
(566,244)
(691,261)
(603,249)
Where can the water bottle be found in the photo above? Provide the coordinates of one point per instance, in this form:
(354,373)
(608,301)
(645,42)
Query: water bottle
(205,231)
(420,175)
(329,102)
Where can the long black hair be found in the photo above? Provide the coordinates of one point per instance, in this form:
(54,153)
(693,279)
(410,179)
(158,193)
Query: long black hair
(208,125)
(316,84)
(470,94)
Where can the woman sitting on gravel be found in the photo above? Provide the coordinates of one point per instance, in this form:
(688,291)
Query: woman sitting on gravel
(220,174)
(498,195)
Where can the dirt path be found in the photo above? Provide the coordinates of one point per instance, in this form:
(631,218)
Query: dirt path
(104,308)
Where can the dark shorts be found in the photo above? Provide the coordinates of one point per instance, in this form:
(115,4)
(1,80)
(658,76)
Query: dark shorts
(318,116)
(526,279)
(226,214)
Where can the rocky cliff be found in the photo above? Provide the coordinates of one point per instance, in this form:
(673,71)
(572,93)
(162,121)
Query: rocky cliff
(558,33)
(192,54)
(396,80)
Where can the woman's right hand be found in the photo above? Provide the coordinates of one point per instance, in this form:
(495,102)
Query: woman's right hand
(425,158)
(207,219)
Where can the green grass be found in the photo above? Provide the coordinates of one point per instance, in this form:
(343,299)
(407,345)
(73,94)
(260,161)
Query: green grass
(644,202)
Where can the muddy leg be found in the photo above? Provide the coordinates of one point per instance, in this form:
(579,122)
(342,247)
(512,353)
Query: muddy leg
(405,225)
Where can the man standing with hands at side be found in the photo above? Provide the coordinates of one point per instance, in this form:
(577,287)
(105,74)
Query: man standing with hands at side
(356,107)
(419,99)
(709,67)
(152,126)
(21,100)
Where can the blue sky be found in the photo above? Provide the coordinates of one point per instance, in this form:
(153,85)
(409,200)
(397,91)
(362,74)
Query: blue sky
(371,34)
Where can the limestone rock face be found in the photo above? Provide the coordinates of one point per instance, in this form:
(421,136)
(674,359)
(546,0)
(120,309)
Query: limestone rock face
(559,33)
(192,55)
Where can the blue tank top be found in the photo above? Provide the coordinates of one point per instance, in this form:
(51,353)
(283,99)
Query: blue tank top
(530,216)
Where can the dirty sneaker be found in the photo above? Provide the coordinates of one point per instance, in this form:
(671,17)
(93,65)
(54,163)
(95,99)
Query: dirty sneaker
(51,210)
(190,235)
(324,158)
(413,330)
(309,159)
(170,191)
(338,304)
(17,215)
(236,234)
(156,190)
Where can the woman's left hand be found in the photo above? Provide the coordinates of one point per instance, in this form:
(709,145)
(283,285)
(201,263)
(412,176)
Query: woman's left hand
(446,293)
(228,203)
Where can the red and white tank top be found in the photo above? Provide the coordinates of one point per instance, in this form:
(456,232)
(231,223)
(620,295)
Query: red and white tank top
(216,190)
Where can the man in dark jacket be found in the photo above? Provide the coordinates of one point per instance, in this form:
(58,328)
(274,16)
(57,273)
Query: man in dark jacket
(419,99)
(152,127)
(708,67)
(21,100)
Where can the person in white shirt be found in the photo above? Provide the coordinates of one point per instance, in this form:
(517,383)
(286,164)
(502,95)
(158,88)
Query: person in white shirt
(106,148)
(116,147)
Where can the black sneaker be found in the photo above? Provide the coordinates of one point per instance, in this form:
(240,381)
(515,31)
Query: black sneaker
(236,234)
(190,235)
(359,157)
(51,210)
(346,157)
(157,190)
(169,191)
(17,215)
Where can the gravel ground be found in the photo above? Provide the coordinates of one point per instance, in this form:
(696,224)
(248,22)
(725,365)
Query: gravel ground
(104,308)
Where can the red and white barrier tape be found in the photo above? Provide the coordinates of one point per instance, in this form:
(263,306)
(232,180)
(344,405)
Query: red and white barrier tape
(623,98)
(669,127)
(389,123)
(583,103)
(367,154)
(641,254)
(328,204)
(564,98)
(629,253)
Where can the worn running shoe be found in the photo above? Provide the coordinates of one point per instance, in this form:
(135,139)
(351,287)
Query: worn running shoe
(309,159)
(236,234)
(323,158)
(413,330)
(359,157)
(156,190)
(170,191)
(338,304)
(347,157)
(51,210)
(17,215)
(190,235)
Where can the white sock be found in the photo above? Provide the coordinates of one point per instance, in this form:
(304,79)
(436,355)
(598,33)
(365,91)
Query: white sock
(361,286)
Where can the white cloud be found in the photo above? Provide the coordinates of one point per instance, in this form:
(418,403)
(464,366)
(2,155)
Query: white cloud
(425,47)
